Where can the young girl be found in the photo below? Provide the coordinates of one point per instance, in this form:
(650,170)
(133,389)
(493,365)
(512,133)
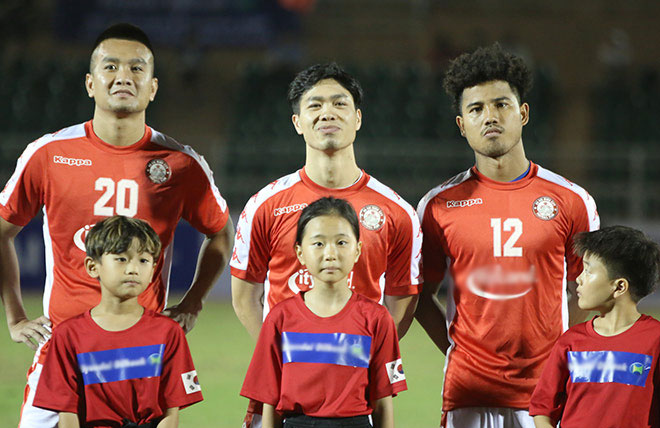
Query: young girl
(326,357)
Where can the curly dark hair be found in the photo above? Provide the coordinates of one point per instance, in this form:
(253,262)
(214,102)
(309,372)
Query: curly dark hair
(484,65)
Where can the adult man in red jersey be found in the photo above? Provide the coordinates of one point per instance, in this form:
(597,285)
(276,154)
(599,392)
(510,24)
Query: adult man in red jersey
(325,102)
(507,226)
(113,164)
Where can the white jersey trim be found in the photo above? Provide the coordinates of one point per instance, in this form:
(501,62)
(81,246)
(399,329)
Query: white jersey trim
(170,143)
(416,232)
(589,203)
(50,265)
(240,260)
(452,182)
(70,133)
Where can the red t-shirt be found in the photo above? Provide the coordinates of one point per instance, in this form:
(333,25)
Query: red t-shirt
(602,381)
(78,180)
(389,230)
(106,376)
(509,247)
(325,367)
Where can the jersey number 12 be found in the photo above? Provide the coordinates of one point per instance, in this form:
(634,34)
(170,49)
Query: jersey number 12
(509,248)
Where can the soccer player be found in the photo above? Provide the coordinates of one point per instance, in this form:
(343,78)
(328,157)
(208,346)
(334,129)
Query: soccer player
(605,372)
(113,164)
(506,227)
(119,363)
(325,102)
(328,356)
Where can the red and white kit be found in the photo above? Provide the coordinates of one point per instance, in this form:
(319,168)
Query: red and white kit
(106,376)
(78,180)
(602,381)
(389,230)
(325,367)
(509,247)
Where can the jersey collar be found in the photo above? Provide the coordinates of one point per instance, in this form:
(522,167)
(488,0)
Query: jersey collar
(358,185)
(506,185)
(96,141)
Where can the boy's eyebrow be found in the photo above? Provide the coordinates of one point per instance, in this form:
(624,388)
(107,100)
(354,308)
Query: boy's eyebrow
(320,98)
(320,235)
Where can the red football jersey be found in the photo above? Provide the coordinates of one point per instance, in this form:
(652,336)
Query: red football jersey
(105,376)
(78,180)
(510,251)
(602,381)
(389,230)
(325,367)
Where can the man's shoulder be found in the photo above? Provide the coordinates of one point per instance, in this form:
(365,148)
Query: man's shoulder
(386,195)
(439,192)
(274,192)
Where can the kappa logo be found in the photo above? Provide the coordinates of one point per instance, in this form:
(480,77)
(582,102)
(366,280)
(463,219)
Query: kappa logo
(72,161)
(464,203)
(288,210)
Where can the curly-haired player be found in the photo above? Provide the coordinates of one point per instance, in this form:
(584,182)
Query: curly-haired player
(506,225)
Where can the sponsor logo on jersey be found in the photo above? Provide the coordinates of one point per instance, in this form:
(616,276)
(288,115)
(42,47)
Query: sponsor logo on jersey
(115,365)
(465,203)
(158,171)
(372,217)
(627,368)
(72,161)
(190,382)
(341,349)
(303,280)
(493,282)
(545,208)
(395,371)
(80,235)
(290,209)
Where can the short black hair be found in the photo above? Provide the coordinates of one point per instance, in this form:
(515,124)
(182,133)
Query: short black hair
(487,64)
(309,77)
(123,31)
(328,206)
(113,235)
(626,253)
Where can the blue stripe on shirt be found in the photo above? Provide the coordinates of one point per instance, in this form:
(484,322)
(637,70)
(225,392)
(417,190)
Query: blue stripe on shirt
(326,348)
(609,367)
(114,365)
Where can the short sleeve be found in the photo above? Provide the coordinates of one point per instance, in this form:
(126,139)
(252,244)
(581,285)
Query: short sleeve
(264,376)
(549,397)
(584,219)
(205,209)
(60,386)
(386,376)
(179,384)
(404,253)
(434,258)
(23,194)
(251,244)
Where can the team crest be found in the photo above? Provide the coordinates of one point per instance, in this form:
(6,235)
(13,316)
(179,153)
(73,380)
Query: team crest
(545,208)
(158,171)
(372,217)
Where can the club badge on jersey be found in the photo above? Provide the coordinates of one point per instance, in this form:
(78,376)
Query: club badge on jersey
(545,208)
(372,217)
(158,171)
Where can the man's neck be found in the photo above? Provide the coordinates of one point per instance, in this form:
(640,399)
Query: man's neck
(116,130)
(504,168)
(334,171)
(616,320)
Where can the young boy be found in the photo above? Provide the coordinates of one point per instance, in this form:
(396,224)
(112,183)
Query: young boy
(604,373)
(119,364)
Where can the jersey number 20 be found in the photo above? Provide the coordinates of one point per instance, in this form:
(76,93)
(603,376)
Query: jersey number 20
(126,201)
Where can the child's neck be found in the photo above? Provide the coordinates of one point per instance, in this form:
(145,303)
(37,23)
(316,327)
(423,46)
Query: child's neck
(326,300)
(112,314)
(616,320)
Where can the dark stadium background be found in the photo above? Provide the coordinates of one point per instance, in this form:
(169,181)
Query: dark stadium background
(224,67)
